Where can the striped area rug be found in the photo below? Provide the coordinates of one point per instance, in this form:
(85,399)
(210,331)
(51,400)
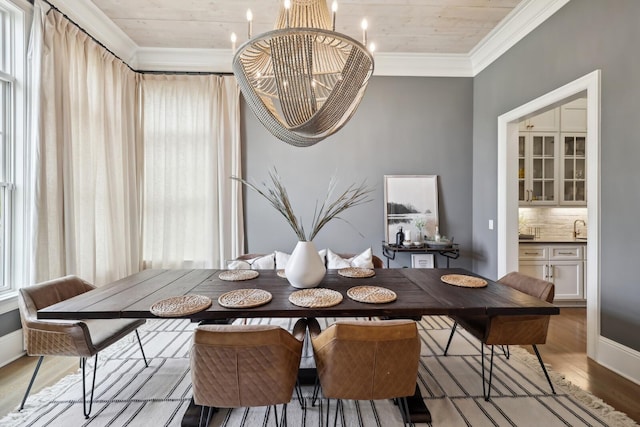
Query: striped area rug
(128,394)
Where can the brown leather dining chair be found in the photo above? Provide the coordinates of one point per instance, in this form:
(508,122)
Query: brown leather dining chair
(363,360)
(78,338)
(235,366)
(510,330)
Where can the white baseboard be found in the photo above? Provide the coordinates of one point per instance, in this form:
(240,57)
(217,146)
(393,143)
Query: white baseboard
(622,360)
(11,347)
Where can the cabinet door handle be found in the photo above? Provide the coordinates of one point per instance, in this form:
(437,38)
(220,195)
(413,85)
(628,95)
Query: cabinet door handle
(551,272)
(566,253)
(527,199)
(546,272)
(532,253)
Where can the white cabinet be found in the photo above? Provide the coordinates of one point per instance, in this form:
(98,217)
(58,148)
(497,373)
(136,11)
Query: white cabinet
(537,168)
(552,157)
(544,122)
(563,265)
(573,116)
(573,169)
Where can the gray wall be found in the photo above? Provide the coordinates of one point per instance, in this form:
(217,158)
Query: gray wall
(403,126)
(583,36)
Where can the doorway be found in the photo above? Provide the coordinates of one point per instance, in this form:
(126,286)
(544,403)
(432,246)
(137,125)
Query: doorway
(508,131)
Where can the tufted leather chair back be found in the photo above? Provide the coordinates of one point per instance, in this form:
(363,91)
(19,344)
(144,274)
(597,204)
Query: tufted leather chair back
(365,360)
(245,365)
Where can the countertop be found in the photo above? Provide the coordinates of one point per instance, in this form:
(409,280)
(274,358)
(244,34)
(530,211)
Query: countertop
(569,240)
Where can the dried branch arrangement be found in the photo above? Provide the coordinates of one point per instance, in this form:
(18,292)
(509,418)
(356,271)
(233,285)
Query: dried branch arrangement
(276,195)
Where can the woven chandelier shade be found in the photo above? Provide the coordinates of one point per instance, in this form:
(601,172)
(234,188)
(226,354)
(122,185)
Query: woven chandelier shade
(302,80)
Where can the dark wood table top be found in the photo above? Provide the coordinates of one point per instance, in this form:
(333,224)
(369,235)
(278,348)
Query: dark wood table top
(420,292)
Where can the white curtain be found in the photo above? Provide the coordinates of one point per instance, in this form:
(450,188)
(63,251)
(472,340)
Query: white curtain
(89,160)
(192,210)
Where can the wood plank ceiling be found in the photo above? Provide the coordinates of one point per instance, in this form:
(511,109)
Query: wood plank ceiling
(403,26)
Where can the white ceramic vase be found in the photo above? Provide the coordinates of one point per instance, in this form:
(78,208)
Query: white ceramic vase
(305,268)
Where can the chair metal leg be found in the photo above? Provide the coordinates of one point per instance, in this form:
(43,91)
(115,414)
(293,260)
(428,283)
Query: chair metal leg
(93,385)
(33,378)
(544,369)
(316,391)
(339,408)
(505,351)
(142,350)
(486,393)
(283,419)
(200,422)
(404,410)
(298,390)
(453,331)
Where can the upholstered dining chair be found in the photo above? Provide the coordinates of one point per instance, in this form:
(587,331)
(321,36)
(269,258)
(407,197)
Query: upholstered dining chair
(510,330)
(235,366)
(363,360)
(79,338)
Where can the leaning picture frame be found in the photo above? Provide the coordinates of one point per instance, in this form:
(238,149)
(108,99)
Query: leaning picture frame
(410,202)
(422,261)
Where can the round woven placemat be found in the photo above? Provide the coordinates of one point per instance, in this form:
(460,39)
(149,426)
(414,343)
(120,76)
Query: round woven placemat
(244,298)
(280,273)
(464,281)
(371,294)
(315,298)
(357,272)
(238,275)
(180,306)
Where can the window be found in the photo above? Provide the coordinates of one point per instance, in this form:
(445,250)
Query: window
(13,174)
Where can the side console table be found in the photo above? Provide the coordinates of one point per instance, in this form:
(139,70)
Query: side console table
(390,250)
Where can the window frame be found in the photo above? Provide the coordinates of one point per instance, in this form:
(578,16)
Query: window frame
(16,179)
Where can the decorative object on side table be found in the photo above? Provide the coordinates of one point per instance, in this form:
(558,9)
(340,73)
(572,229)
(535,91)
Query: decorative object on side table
(305,268)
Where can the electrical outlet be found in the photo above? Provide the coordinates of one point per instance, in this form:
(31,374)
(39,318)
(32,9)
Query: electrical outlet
(490,224)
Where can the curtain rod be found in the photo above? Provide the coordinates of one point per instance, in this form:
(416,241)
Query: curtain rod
(196,73)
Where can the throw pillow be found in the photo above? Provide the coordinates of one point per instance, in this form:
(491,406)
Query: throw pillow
(364,260)
(266,262)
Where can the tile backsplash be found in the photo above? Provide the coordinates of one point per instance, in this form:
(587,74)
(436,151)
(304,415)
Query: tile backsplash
(551,223)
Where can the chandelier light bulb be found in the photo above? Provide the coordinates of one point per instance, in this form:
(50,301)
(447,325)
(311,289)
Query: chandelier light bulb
(250,20)
(234,38)
(334,9)
(372,47)
(364,26)
(287,6)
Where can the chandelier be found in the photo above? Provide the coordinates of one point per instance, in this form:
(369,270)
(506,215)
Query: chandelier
(303,80)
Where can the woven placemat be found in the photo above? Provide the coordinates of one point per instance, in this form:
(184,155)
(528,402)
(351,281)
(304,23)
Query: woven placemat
(371,294)
(315,298)
(464,281)
(280,273)
(244,298)
(357,272)
(180,306)
(238,275)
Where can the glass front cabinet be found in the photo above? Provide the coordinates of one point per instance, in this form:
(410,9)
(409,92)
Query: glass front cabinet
(537,168)
(574,172)
(552,157)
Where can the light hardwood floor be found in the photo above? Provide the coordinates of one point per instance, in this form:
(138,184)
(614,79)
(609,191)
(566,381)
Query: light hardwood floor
(565,351)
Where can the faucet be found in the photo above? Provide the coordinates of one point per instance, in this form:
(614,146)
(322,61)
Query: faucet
(576,232)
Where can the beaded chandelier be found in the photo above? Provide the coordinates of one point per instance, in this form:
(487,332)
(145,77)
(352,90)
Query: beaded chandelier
(303,80)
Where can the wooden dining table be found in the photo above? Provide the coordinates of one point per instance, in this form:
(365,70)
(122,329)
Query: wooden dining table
(419,292)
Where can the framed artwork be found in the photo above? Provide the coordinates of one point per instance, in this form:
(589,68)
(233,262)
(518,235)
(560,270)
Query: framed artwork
(422,261)
(410,202)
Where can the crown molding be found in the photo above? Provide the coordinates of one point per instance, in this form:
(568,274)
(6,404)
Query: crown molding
(187,60)
(522,20)
(91,19)
(422,65)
